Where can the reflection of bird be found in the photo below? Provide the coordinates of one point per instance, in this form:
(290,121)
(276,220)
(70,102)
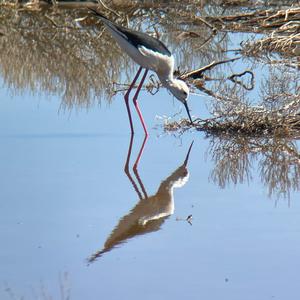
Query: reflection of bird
(150,213)
(151,54)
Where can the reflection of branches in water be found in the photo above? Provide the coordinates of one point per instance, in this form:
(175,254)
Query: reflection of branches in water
(281,26)
(38,55)
(280,92)
(278,162)
(280,171)
(63,51)
(260,19)
(276,111)
(67,52)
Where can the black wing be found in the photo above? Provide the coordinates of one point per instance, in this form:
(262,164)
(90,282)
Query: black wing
(136,38)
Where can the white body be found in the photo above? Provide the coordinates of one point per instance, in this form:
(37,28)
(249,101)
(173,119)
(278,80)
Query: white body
(162,64)
(157,61)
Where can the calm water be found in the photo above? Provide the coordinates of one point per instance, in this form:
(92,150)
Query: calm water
(75,225)
(64,190)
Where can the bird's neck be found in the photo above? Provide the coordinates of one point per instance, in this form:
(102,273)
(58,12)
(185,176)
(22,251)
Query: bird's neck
(167,81)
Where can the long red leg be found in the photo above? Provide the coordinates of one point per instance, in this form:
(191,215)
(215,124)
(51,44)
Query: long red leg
(126,97)
(136,103)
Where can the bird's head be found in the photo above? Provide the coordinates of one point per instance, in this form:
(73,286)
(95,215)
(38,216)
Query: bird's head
(181,91)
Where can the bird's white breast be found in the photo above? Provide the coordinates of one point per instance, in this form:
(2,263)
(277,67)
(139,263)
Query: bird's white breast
(162,64)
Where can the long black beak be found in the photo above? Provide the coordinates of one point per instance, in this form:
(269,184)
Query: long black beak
(188,111)
(188,154)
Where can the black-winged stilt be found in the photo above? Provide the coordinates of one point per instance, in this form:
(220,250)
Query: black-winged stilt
(151,211)
(151,54)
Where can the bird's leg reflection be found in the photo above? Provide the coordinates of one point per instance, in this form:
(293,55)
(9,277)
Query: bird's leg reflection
(135,166)
(150,212)
(141,194)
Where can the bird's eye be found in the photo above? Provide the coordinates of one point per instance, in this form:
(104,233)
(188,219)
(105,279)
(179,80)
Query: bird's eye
(185,93)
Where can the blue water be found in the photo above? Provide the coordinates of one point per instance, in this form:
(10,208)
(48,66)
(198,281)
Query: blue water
(63,191)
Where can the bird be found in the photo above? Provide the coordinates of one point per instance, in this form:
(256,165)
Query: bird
(151,54)
(149,213)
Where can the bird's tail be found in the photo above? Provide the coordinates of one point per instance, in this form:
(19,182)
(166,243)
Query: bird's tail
(111,25)
(96,13)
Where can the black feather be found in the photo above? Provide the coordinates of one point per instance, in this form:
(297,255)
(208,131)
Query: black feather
(137,38)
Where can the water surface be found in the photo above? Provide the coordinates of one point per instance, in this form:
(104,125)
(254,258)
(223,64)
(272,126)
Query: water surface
(64,190)
(73,222)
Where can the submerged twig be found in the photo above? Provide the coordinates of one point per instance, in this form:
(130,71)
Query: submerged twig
(196,74)
(245,123)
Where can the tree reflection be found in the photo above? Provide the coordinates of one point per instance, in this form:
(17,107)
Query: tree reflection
(66,52)
(277,160)
(47,51)
(61,50)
